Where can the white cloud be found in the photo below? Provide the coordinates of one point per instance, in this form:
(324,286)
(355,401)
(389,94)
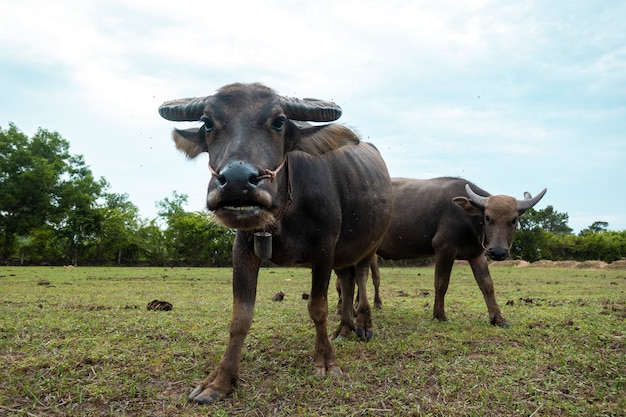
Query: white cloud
(511,95)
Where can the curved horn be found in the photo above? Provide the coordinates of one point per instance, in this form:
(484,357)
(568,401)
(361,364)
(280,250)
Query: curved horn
(310,109)
(529,201)
(183,109)
(477,200)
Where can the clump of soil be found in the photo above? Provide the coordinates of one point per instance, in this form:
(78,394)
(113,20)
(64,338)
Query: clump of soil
(160,305)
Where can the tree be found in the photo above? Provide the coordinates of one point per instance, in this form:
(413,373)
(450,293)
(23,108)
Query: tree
(42,184)
(153,244)
(192,237)
(530,245)
(79,220)
(596,227)
(118,240)
(535,228)
(30,171)
(548,219)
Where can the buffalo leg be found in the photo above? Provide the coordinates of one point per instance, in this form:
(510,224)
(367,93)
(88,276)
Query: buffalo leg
(346,283)
(323,356)
(339,302)
(245,274)
(480,268)
(378,303)
(443,268)
(363,326)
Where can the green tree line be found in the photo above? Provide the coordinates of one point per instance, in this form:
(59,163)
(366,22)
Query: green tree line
(54,211)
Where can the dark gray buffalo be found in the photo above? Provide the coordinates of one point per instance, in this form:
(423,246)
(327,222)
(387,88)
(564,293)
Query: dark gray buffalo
(323,195)
(451,218)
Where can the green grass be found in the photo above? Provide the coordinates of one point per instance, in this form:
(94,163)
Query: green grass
(80,341)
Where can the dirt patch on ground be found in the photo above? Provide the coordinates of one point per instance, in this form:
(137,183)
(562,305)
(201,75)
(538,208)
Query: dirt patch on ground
(565,264)
(592,264)
(621,264)
(555,264)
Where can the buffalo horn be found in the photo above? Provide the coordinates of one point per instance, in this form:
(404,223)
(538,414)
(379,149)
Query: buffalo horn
(310,109)
(522,205)
(183,109)
(529,201)
(477,200)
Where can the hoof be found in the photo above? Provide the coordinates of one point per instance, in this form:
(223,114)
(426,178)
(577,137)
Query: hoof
(337,337)
(319,371)
(342,331)
(204,395)
(335,371)
(364,335)
(502,323)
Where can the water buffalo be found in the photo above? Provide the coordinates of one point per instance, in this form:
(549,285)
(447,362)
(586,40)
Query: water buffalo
(451,218)
(322,195)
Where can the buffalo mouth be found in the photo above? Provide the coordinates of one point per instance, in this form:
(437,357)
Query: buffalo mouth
(245,215)
(240,207)
(247,210)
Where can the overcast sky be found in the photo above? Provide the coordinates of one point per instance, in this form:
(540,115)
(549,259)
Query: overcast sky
(514,96)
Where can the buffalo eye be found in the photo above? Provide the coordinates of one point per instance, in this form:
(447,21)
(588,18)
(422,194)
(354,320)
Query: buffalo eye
(278,123)
(487,219)
(208,124)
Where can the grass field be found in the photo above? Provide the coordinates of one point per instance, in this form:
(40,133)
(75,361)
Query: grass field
(80,341)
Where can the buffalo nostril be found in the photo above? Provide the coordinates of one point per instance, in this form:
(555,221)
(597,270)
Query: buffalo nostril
(238,175)
(221,181)
(498,254)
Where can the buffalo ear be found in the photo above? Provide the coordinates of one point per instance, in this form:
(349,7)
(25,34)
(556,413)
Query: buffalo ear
(467,205)
(190,141)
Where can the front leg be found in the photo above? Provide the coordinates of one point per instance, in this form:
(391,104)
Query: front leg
(443,269)
(378,302)
(245,274)
(364,328)
(480,268)
(323,355)
(339,301)
(345,285)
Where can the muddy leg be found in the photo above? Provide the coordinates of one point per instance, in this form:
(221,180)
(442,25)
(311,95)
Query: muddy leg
(345,278)
(245,273)
(339,302)
(323,355)
(480,268)
(363,326)
(378,303)
(443,268)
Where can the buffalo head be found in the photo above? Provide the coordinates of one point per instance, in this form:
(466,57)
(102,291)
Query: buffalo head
(248,131)
(500,218)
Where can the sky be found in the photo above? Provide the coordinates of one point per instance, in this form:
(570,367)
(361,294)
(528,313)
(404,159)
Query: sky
(513,96)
